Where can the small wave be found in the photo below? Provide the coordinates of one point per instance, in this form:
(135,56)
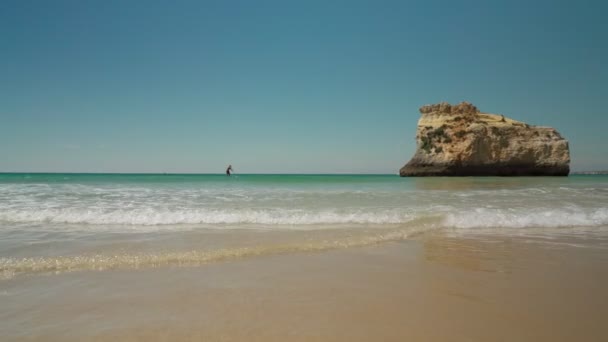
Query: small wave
(436,216)
(147,217)
(11,267)
(505,218)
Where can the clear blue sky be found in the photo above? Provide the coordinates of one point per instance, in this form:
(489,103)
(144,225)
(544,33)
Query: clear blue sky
(286,86)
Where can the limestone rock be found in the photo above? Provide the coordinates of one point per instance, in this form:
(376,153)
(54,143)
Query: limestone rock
(459,140)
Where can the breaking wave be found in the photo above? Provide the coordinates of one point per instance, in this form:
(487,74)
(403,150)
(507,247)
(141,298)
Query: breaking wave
(443,216)
(549,218)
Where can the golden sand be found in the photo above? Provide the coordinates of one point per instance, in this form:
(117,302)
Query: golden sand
(433,288)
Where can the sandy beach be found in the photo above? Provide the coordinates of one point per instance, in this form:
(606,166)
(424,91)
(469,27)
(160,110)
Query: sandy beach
(281,171)
(435,287)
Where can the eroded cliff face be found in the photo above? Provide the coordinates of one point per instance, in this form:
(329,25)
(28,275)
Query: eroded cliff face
(459,140)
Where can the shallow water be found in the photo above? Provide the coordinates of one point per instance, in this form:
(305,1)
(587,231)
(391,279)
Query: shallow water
(54,223)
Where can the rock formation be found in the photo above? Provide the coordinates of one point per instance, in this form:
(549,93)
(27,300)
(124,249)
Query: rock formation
(459,140)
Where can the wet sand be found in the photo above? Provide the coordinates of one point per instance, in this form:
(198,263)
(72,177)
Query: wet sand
(435,287)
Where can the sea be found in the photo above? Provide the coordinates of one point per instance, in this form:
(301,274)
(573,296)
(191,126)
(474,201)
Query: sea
(53,223)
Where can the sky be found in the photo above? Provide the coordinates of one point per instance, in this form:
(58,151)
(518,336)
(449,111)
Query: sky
(286,86)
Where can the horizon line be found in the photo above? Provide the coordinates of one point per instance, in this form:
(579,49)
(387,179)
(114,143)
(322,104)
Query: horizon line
(189,173)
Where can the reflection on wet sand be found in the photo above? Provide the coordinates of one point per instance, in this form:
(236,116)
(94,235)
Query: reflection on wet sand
(547,289)
(471,254)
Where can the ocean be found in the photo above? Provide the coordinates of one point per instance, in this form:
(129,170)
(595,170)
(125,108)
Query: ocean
(155,257)
(53,223)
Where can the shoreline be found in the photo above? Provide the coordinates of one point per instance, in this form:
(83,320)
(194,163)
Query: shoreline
(475,288)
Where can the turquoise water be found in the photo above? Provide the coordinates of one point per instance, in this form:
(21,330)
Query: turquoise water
(46,218)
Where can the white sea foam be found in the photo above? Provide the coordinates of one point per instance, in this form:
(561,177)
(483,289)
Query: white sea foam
(147,217)
(526,218)
(11,267)
(444,216)
(439,204)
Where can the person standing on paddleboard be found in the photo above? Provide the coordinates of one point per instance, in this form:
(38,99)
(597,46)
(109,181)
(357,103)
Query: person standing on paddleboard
(229,170)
